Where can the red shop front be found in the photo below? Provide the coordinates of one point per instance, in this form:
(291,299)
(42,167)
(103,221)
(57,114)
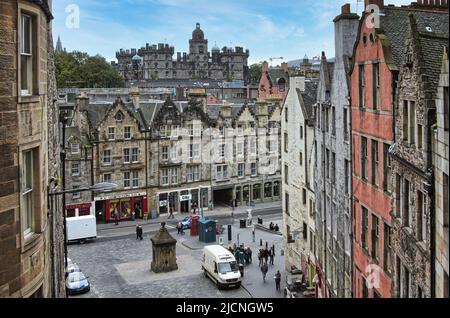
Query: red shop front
(105,210)
(81,209)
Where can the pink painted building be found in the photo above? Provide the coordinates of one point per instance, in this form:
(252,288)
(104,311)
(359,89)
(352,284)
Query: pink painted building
(274,82)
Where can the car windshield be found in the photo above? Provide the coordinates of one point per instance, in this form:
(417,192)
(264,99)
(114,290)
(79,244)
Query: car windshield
(76,277)
(228,267)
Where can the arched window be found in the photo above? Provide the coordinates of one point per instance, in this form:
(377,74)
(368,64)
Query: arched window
(119,116)
(281,84)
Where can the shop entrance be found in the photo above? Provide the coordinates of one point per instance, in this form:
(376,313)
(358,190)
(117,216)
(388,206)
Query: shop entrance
(223,197)
(184,206)
(100,211)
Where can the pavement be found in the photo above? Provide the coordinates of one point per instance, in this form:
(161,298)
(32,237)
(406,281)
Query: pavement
(119,266)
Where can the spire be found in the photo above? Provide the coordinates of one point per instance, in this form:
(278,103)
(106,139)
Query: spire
(59,47)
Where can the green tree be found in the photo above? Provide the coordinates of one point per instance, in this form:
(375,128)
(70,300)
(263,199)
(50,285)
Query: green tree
(78,69)
(255,73)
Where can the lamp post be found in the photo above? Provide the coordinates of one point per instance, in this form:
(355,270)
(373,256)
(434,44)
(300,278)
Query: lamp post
(104,186)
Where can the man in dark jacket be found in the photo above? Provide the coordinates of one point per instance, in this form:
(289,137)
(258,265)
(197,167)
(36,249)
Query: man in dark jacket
(139,232)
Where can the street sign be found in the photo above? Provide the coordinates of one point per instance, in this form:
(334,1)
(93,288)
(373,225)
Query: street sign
(185,197)
(163,203)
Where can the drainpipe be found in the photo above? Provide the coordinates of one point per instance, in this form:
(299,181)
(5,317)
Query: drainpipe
(352,256)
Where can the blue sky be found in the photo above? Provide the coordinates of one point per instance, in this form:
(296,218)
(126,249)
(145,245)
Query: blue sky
(268,28)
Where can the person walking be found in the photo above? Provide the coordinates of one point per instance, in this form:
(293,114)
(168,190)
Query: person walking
(277,280)
(271,256)
(139,232)
(116,218)
(171,216)
(264,270)
(260,257)
(266,255)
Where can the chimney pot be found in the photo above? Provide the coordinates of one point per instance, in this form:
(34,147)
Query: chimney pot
(345,9)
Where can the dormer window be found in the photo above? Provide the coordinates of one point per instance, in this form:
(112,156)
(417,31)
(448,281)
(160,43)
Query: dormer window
(74,148)
(372,38)
(365,39)
(119,116)
(281,84)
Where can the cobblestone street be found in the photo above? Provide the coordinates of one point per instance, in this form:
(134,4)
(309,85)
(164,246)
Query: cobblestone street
(120,267)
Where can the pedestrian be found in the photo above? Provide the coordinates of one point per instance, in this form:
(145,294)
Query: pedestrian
(179,226)
(171,213)
(264,270)
(276,228)
(116,218)
(277,280)
(266,255)
(139,232)
(270,256)
(249,253)
(260,258)
(273,250)
(253,234)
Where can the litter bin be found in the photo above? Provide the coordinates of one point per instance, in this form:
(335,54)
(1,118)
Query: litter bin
(242,224)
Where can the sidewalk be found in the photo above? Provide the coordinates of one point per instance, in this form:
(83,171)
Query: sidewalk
(219,211)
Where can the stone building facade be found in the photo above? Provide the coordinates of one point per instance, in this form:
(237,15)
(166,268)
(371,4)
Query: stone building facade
(31,262)
(441,189)
(180,155)
(412,180)
(297,160)
(154,62)
(333,164)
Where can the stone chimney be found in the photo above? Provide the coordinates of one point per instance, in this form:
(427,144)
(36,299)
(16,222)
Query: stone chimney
(262,112)
(225,109)
(82,102)
(345,32)
(265,67)
(135,97)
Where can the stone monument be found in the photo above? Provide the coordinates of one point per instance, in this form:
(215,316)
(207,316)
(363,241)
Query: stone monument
(164,251)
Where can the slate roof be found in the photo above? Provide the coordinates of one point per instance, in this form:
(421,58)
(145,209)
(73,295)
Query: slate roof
(276,73)
(308,99)
(433,50)
(96,112)
(395,24)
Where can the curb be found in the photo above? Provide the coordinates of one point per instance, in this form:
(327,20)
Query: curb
(225,215)
(191,248)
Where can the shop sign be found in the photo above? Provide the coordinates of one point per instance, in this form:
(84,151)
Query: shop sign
(163,203)
(185,197)
(120,196)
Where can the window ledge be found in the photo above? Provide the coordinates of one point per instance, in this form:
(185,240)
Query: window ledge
(28,99)
(30,241)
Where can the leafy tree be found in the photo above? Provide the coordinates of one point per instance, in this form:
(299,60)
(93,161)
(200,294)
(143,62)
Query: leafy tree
(255,73)
(78,69)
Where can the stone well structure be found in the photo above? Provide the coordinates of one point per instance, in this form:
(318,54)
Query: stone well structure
(163,251)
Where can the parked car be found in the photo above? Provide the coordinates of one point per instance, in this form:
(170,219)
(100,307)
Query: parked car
(77,283)
(186,222)
(72,268)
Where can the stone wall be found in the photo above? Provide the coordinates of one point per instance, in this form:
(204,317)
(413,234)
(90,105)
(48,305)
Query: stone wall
(26,257)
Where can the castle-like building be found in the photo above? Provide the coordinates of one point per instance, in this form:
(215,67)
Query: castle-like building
(154,62)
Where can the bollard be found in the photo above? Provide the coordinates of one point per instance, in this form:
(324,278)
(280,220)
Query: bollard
(260,242)
(229,233)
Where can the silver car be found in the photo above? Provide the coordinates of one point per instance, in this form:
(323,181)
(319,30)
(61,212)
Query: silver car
(77,283)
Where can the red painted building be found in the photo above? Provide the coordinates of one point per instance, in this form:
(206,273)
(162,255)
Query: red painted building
(378,53)
(274,82)
(373,76)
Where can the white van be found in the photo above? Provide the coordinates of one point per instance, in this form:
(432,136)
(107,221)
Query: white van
(220,265)
(81,228)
